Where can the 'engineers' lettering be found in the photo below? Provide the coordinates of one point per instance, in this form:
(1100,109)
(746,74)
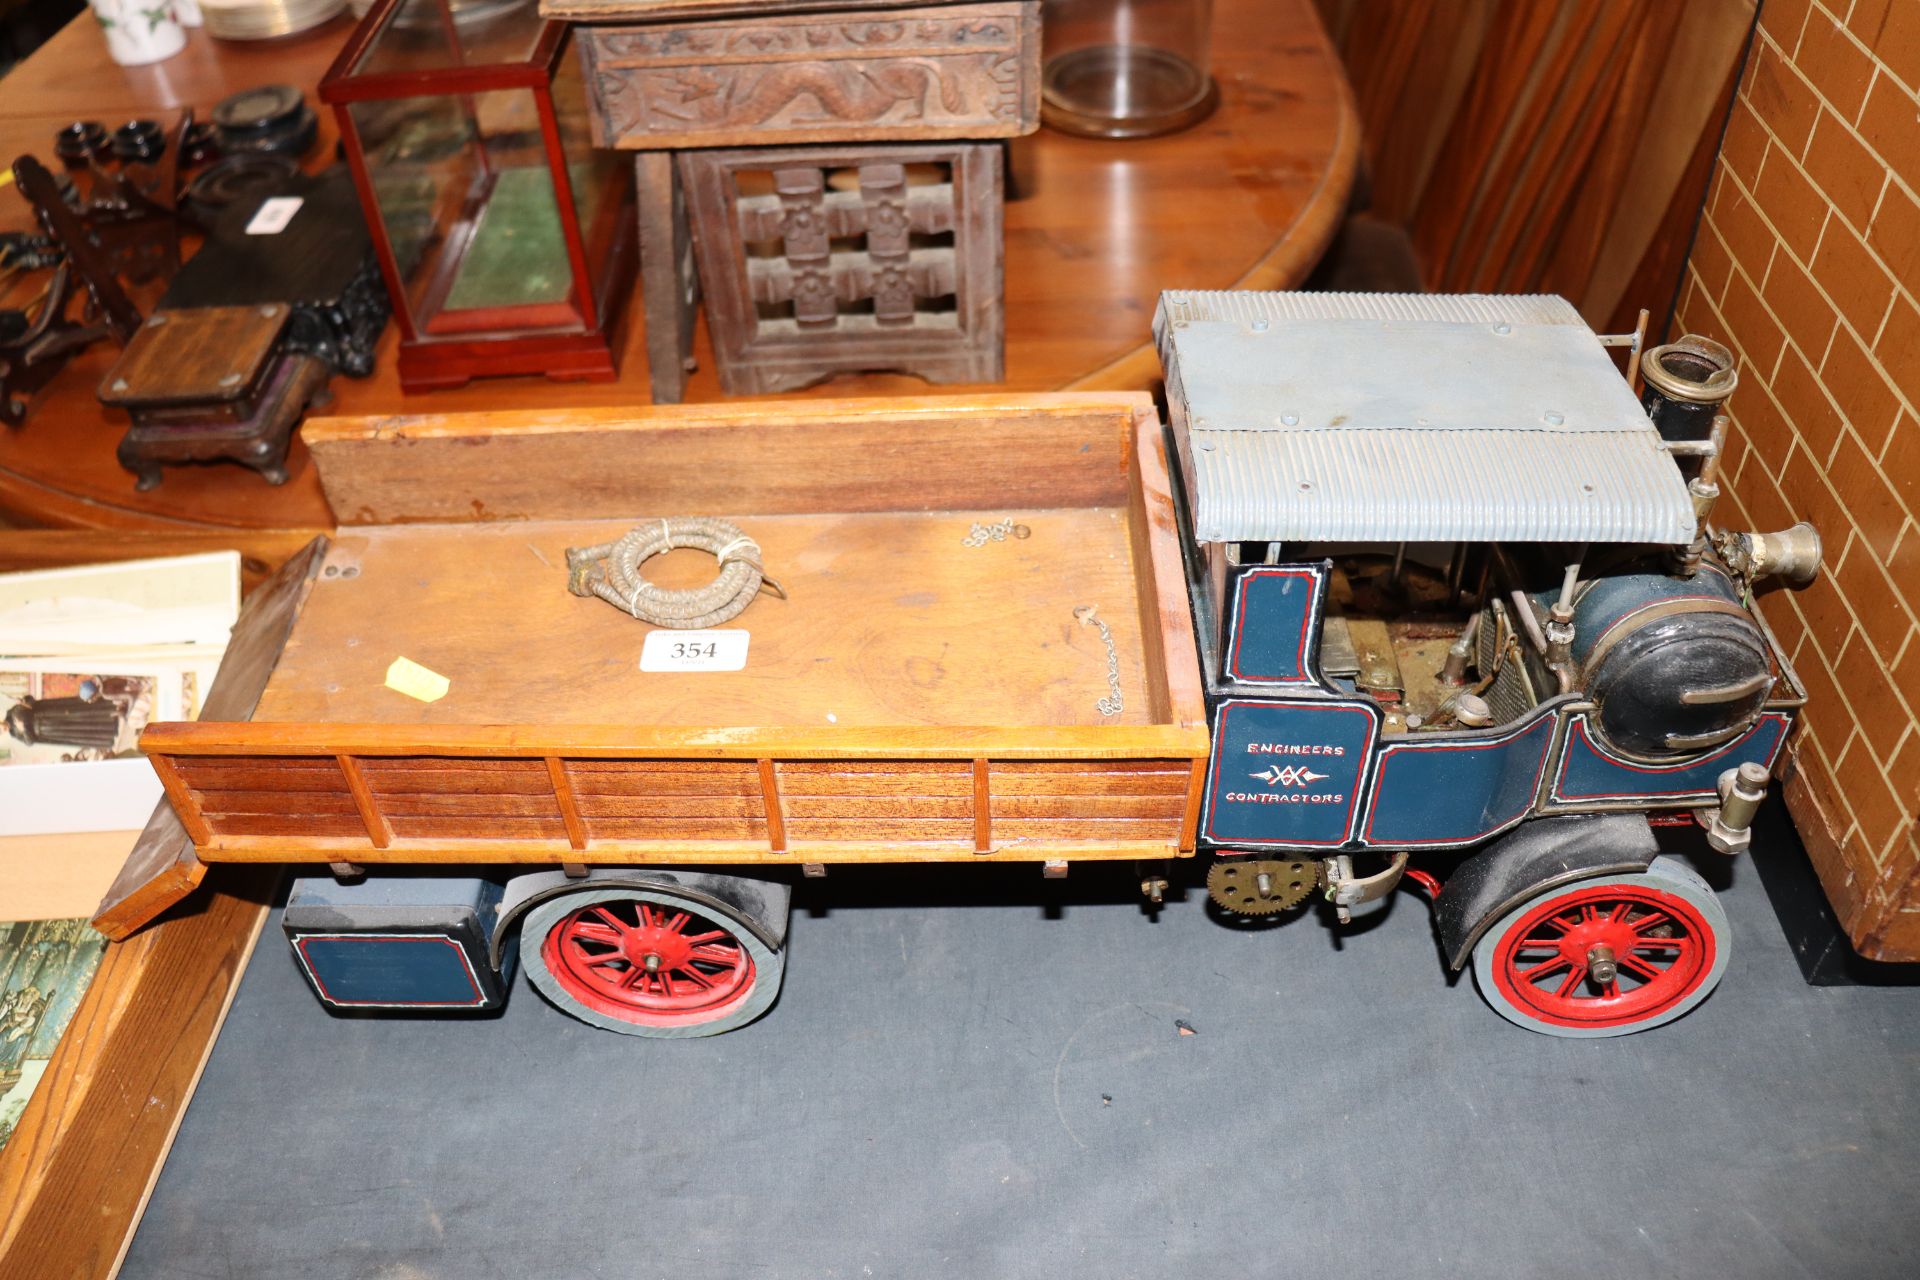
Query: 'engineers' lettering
(1293,749)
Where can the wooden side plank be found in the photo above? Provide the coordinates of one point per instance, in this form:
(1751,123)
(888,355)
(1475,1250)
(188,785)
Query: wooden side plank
(1060,449)
(163,868)
(84,1155)
(853,840)
(1166,613)
(86,1150)
(611,742)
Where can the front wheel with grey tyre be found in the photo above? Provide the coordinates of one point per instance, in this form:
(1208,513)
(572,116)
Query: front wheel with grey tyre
(1608,956)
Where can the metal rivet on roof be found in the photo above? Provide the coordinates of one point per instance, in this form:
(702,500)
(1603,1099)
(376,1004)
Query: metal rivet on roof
(1306,486)
(1555,418)
(1259,324)
(1503,328)
(1289,419)
(1207,446)
(1586,488)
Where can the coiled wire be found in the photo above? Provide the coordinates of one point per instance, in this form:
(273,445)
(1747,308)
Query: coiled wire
(611,570)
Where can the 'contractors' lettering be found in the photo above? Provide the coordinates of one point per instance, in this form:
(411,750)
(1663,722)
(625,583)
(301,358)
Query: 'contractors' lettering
(1285,797)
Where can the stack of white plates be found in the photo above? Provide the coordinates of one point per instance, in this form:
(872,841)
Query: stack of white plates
(265,19)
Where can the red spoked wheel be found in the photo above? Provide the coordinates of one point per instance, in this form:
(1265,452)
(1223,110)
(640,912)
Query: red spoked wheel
(1606,957)
(645,961)
(648,963)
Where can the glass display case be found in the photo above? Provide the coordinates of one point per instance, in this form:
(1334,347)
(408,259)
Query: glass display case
(506,239)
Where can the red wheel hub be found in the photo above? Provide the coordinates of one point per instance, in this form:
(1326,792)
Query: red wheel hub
(648,964)
(1605,955)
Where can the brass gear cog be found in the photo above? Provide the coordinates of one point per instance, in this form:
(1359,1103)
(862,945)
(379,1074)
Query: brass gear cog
(1261,886)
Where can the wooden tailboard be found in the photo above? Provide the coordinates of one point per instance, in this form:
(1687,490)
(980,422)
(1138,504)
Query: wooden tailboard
(163,867)
(657,809)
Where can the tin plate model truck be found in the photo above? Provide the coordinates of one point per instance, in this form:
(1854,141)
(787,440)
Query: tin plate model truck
(1408,578)
(1456,594)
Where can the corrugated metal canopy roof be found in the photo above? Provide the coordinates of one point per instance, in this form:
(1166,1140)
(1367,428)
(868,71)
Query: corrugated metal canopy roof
(1424,418)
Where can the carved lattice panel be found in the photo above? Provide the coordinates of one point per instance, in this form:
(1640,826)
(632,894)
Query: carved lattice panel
(817,261)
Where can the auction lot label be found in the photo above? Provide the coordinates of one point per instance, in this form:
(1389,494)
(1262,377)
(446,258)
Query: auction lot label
(667,650)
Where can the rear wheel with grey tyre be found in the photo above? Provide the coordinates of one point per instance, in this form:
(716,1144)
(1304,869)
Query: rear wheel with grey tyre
(646,961)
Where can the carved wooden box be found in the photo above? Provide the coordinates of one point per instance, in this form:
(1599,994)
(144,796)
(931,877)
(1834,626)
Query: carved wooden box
(945,71)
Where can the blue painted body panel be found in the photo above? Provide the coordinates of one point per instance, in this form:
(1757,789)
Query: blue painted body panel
(388,970)
(1589,774)
(1443,793)
(1288,774)
(1274,630)
(1305,767)
(397,942)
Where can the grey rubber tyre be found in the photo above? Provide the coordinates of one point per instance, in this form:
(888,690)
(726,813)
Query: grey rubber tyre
(580,951)
(1664,929)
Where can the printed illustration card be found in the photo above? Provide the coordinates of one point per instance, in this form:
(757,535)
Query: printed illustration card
(45,966)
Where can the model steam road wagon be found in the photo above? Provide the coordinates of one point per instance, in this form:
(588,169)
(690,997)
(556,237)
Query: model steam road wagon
(1425,581)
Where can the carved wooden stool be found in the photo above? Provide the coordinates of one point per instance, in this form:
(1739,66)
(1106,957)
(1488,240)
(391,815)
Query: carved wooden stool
(842,101)
(824,260)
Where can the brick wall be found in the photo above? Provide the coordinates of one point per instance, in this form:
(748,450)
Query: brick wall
(1808,264)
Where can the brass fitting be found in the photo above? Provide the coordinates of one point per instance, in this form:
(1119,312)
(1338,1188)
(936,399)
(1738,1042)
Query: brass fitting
(1730,827)
(1792,554)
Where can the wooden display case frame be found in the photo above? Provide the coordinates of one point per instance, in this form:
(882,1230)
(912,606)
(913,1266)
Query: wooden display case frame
(440,350)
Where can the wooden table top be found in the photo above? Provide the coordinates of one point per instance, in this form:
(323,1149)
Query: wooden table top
(1248,198)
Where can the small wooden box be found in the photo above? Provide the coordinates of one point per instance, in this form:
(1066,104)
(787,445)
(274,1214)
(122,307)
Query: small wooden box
(944,71)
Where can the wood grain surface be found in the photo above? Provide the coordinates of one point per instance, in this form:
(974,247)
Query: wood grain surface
(912,662)
(1544,147)
(967,71)
(86,1151)
(658,10)
(760,457)
(1250,197)
(889,620)
(162,869)
(669,280)
(78,1168)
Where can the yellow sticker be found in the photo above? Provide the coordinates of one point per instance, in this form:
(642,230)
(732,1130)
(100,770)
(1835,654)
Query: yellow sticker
(409,677)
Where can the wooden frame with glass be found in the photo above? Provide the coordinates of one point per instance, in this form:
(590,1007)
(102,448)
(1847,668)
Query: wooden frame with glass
(505,238)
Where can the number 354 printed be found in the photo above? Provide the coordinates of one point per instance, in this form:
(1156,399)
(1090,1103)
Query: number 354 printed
(694,651)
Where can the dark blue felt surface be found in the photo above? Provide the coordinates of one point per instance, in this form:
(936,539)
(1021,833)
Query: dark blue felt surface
(927,1100)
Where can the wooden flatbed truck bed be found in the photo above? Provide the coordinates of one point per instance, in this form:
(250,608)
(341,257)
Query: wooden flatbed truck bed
(925,692)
